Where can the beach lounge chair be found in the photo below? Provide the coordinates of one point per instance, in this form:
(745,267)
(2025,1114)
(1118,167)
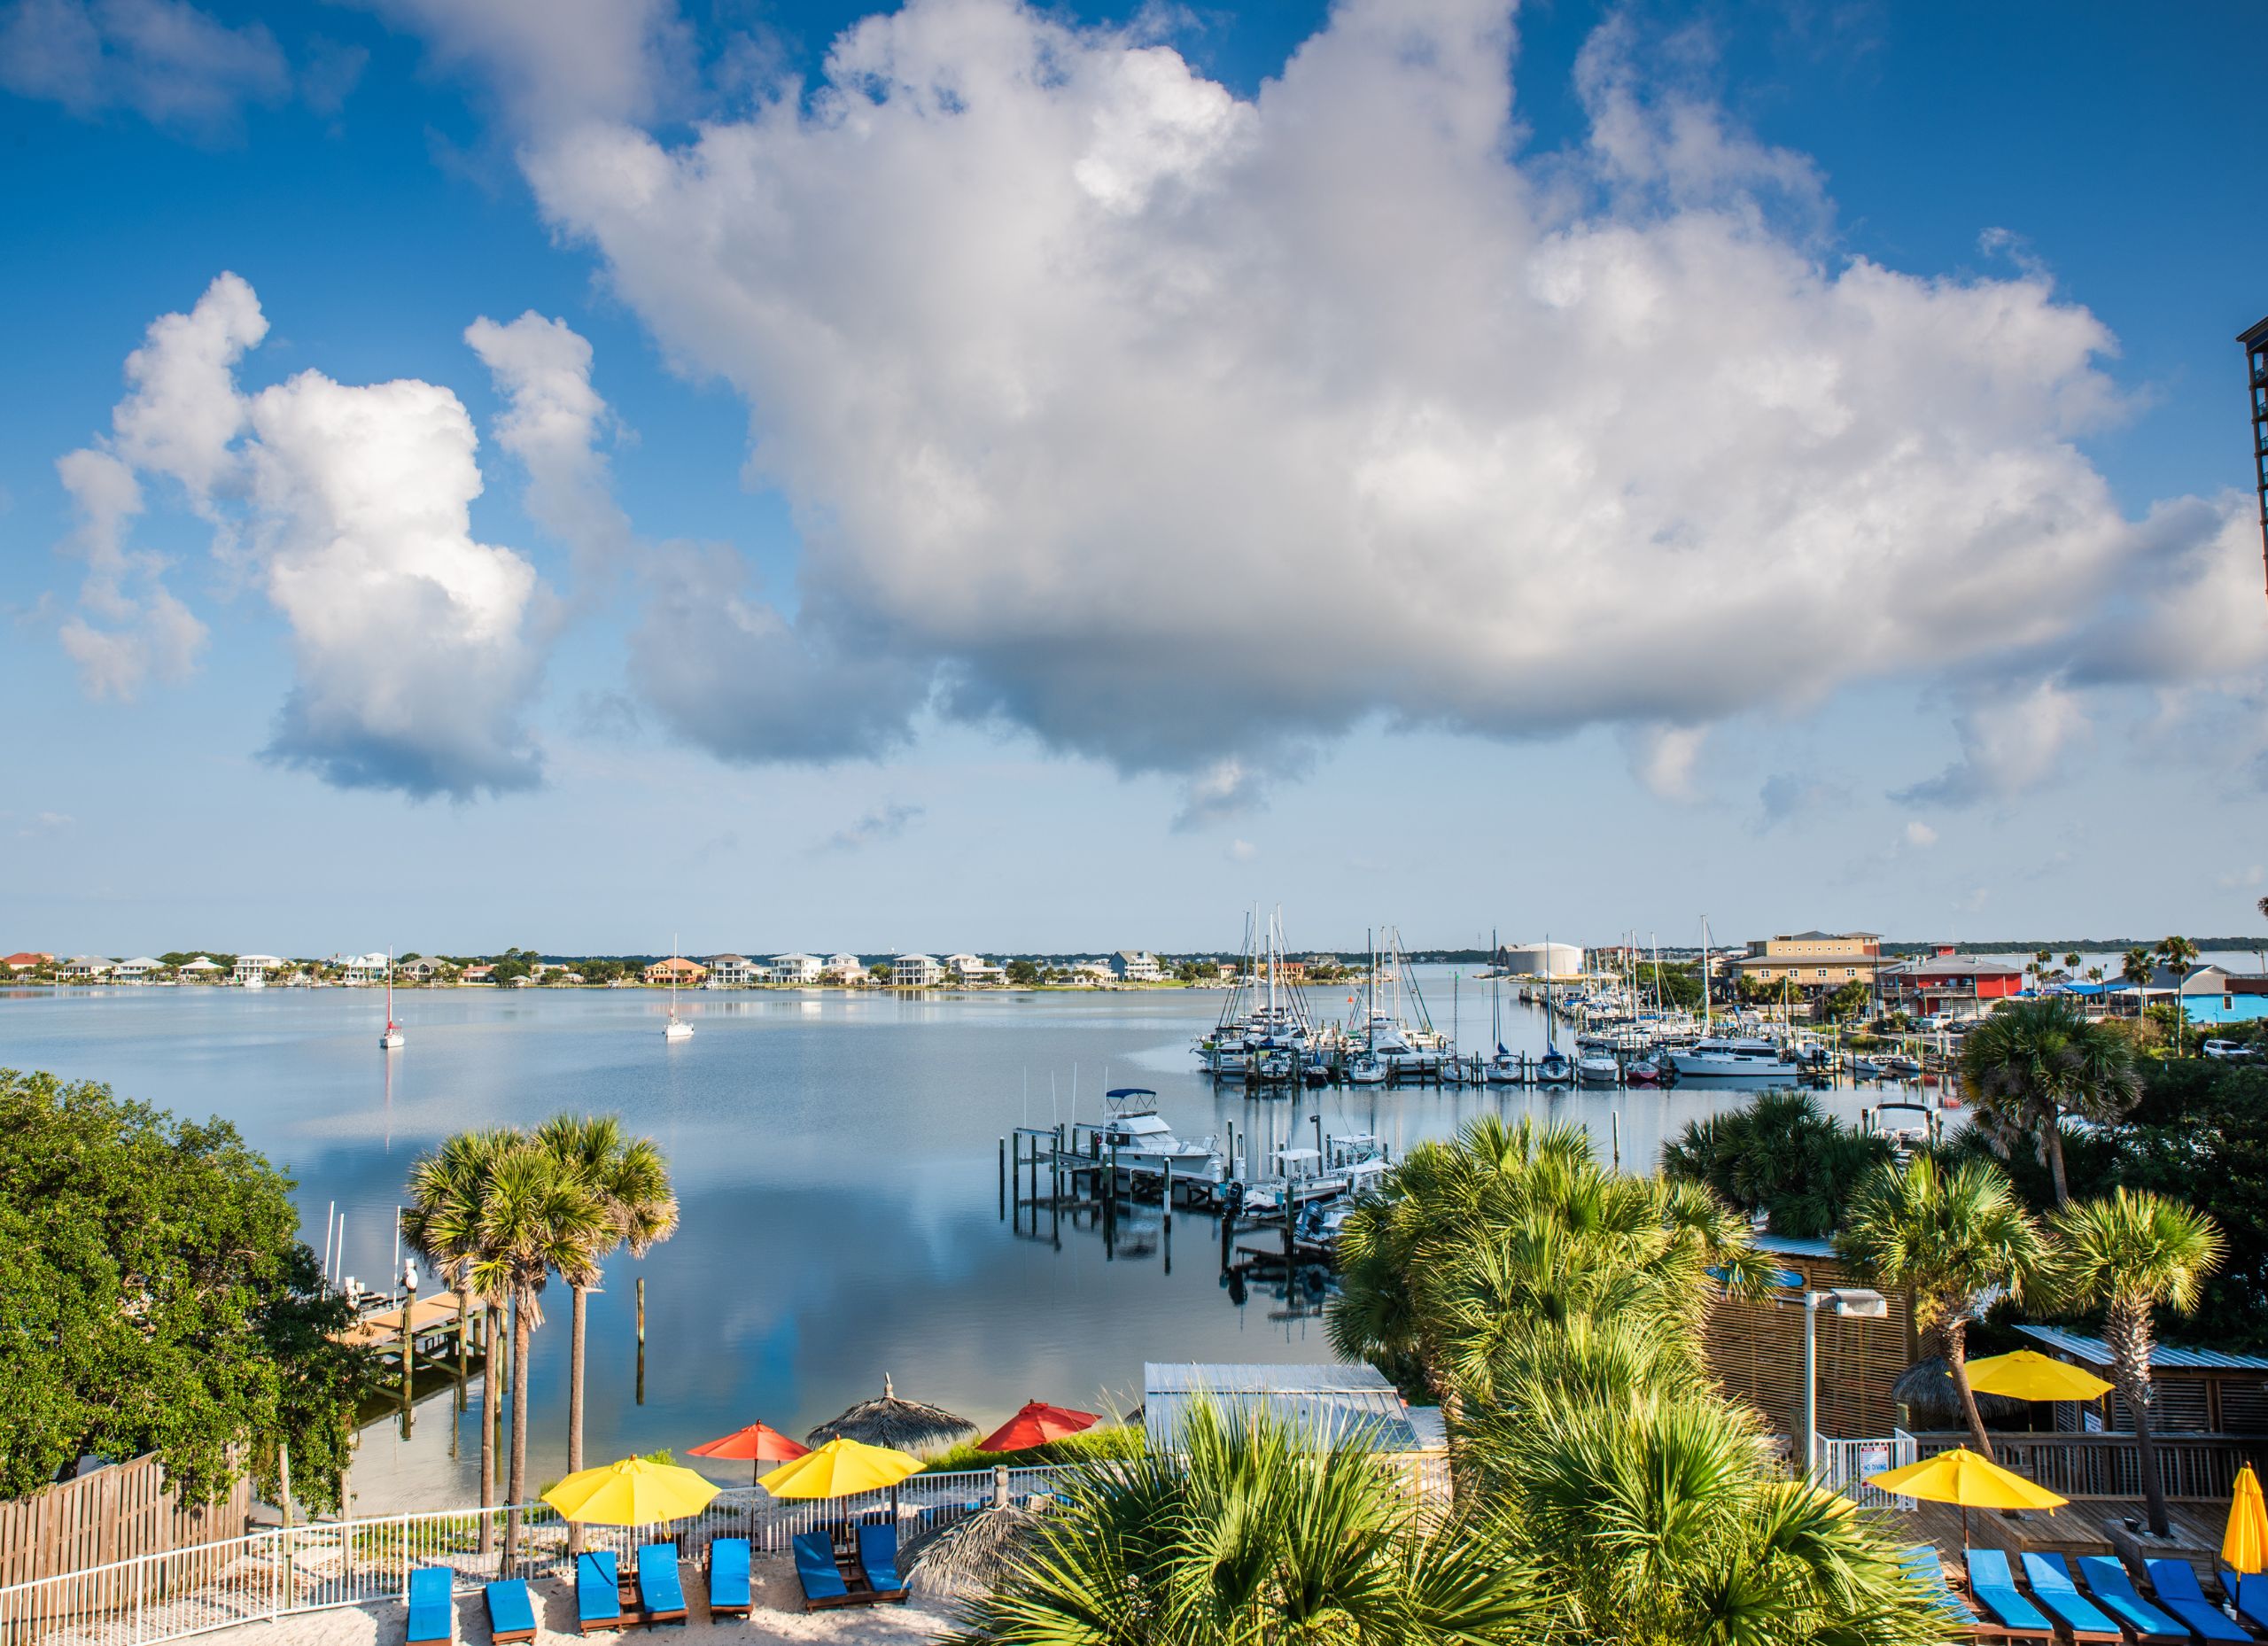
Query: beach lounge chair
(2115,1592)
(432,1614)
(2059,1597)
(2008,1614)
(823,1585)
(2249,1594)
(878,1561)
(598,1595)
(729,1586)
(661,1595)
(511,1614)
(1929,1572)
(2176,1582)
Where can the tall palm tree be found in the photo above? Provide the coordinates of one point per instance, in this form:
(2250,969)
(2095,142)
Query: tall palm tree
(1950,1238)
(2179,954)
(2136,968)
(1246,1536)
(537,1217)
(2126,1254)
(448,1191)
(630,1180)
(2071,962)
(2033,1062)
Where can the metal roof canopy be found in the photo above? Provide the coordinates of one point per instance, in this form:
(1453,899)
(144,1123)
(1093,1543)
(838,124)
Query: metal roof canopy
(1329,1404)
(2164,1357)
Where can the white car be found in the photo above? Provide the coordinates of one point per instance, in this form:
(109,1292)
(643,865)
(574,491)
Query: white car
(2229,1049)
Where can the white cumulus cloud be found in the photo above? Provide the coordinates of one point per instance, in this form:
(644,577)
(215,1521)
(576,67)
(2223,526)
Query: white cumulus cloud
(553,422)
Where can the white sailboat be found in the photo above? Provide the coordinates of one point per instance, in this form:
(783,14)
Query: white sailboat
(391,1038)
(677,1028)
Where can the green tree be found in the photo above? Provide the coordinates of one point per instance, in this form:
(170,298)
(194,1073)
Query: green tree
(2126,1254)
(2179,954)
(2031,1062)
(1783,1155)
(2071,962)
(155,1296)
(630,1180)
(1950,1237)
(1243,1535)
(2136,968)
(1024,974)
(1849,1003)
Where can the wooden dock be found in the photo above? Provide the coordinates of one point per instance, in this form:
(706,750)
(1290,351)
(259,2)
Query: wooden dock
(2082,1526)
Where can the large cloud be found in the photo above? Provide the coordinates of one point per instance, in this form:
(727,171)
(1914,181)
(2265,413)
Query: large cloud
(416,649)
(165,59)
(1182,429)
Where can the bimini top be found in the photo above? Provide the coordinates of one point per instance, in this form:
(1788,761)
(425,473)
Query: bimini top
(1326,1405)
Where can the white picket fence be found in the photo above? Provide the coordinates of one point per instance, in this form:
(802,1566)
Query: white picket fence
(275,1573)
(1845,1464)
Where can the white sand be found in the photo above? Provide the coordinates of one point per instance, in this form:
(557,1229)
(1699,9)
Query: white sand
(778,1616)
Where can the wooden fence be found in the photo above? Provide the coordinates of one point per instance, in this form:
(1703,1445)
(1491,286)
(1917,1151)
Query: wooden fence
(2111,1465)
(120,1513)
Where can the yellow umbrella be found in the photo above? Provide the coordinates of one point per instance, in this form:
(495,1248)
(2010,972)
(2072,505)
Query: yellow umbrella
(632,1493)
(2245,1549)
(2027,1375)
(1961,1477)
(838,1469)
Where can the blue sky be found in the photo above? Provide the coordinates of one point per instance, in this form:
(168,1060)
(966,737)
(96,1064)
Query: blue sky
(1010,479)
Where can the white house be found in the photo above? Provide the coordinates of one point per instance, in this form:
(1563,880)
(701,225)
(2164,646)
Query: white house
(1134,966)
(1093,972)
(137,970)
(734,971)
(365,968)
(200,970)
(259,966)
(916,970)
(84,968)
(843,968)
(423,969)
(972,968)
(797,968)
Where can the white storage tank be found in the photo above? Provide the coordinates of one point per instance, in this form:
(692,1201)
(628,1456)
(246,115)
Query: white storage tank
(1543,959)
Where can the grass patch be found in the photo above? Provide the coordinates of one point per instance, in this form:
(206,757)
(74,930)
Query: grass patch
(1105,1440)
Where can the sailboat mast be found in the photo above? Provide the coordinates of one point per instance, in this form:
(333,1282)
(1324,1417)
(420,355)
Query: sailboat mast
(1705,1016)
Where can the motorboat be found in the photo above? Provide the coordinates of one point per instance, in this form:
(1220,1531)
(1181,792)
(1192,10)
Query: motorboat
(1144,1145)
(1598,1068)
(1651,1070)
(1722,1059)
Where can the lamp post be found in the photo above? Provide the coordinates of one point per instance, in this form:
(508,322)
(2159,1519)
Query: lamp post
(1854,1301)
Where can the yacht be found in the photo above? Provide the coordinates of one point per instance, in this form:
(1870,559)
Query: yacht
(1598,1068)
(1145,1145)
(1715,1057)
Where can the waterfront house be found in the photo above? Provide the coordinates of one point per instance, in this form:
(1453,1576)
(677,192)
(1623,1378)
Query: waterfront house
(1134,966)
(2208,994)
(797,968)
(1093,973)
(973,969)
(424,969)
(684,972)
(362,970)
(200,970)
(27,960)
(843,968)
(1957,984)
(1815,963)
(476,974)
(84,968)
(917,971)
(249,967)
(138,970)
(735,971)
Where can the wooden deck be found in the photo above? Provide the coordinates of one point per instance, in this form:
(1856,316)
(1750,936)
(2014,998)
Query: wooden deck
(2080,1528)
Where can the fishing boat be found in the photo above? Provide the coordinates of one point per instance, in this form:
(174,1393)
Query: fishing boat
(677,1028)
(1144,1145)
(390,1037)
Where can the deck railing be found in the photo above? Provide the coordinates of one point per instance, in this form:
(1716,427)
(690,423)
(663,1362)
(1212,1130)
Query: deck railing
(1845,1464)
(2190,1464)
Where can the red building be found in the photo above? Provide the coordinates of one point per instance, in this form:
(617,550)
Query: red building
(1960,985)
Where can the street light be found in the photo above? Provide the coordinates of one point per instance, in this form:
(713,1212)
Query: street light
(1856,1302)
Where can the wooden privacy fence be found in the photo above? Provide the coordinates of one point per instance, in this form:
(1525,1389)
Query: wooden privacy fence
(120,1513)
(2111,1464)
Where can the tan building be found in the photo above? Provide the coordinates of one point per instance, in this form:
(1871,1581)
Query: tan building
(684,972)
(1814,962)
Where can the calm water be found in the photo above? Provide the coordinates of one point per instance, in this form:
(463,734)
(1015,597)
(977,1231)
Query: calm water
(836,1157)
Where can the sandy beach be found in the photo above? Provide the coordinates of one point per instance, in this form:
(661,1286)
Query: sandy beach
(778,1616)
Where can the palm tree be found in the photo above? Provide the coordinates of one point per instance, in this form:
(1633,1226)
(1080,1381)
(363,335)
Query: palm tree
(1949,1237)
(447,1190)
(630,1180)
(2032,1060)
(2126,1254)
(2136,966)
(536,1216)
(1244,1535)
(2071,962)
(2179,954)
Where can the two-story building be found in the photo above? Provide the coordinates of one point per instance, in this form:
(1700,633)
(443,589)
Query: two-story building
(684,972)
(140,969)
(973,969)
(797,968)
(256,967)
(1134,966)
(27,961)
(1957,984)
(735,971)
(842,968)
(1814,963)
(84,968)
(917,971)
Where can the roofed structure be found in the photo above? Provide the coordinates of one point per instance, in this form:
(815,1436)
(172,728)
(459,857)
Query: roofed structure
(1327,1404)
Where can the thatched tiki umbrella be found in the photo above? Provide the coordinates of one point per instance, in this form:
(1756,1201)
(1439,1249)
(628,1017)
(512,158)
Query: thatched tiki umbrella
(1927,1390)
(978,1553)
(902,1425)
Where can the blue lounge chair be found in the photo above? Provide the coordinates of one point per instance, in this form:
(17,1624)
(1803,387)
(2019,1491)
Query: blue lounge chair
(598,1593)
(878,1561)
(1993,1587)
(2176,1582)
(823,1585)
(2249,1593)
(432,1615)
(1921,1561)
(728,1589)
(2052,1586)
(2115,1592)
(511,1615)
(661,1597)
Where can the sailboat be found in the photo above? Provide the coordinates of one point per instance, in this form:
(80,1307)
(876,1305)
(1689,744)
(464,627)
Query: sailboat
(677,1028)
(1503,1066)
(392,1036)
(1553,1067)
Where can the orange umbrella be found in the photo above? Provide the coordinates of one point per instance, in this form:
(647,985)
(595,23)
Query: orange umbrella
(1035,1425)
(759,1442)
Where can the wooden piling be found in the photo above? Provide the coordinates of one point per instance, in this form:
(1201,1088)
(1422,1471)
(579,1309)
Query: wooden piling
(641,1311)
(1003,1175)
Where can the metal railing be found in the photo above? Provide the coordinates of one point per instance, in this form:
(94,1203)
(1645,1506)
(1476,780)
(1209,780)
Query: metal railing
(1845,1464)
(265,1575)
(2190,1464)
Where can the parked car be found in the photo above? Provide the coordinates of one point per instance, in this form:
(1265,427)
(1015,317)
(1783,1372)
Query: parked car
(2229,1049)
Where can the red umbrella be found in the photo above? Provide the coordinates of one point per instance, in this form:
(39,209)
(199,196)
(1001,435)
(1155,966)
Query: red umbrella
(759,1442)
(1035,1425)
